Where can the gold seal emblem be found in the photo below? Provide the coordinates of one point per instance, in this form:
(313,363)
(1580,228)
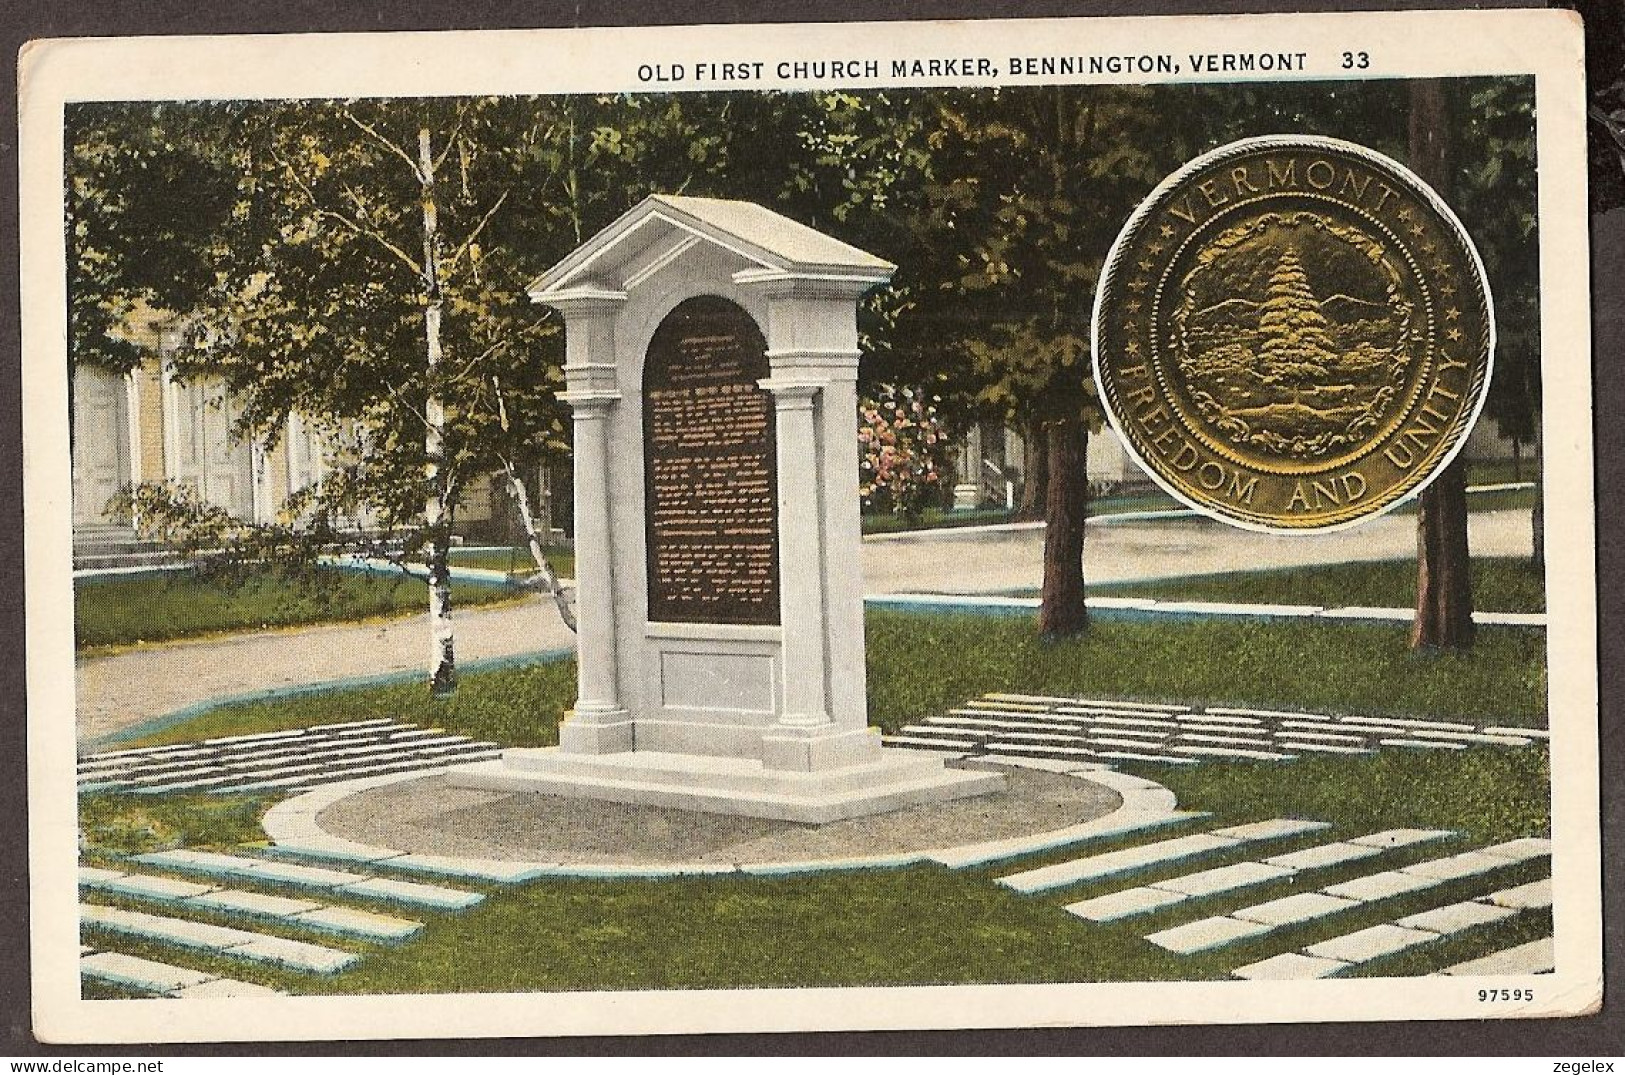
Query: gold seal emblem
(1293,333)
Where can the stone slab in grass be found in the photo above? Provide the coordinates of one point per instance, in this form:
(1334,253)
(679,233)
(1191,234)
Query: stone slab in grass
(1402,722)
(1290,966)
(1520,850)
(1119,755)
(1273,829)
(145,975)
(1290,910)
(1112,863)
(1371,943)
(1425,744)
(1320,748)
(1536,895)
(219,865)
(1402,837)
(1380,886)
(1126,744)
(316,844)
(224,988)
(297,955)
(177,931)
(256,737)
(1240,742)
(233,901)
(1527,733)
(1323,855)
(1473,737)
(1206,933)
(1103,702)
(1466,864)
(349,922)
(89,875)
(927,741)
(145,886)
(1223,879)
(507,873)
(1536,957)
(412,894)
(1317,732)
(1455,917)
(1099,829)
(1124,904)
(1232,752)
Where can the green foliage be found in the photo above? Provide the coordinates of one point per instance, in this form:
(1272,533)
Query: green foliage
(126,610)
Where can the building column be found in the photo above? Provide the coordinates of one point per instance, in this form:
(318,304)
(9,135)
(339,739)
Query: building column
(801,555)
(600,722)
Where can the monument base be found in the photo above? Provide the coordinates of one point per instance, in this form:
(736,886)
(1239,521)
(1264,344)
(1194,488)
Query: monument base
(739,786)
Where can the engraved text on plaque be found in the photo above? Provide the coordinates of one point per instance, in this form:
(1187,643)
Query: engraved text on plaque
(710,483)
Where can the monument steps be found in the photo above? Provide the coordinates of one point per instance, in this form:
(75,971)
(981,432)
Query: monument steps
(727,785)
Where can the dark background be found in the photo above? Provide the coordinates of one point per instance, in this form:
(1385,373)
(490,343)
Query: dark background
(1600,1035)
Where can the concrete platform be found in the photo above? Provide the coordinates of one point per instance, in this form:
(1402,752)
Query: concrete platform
(741,787)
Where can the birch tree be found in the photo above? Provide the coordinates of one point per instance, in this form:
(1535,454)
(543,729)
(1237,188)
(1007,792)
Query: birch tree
(368,277)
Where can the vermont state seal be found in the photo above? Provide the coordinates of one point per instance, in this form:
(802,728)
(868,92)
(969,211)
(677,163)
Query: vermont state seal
(1293,333)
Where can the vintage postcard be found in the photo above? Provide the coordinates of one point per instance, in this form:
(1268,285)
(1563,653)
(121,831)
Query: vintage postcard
(908,525)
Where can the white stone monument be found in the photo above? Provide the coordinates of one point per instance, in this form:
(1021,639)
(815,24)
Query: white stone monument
(711,360)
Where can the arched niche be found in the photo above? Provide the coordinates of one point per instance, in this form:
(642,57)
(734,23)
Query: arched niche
(710,468)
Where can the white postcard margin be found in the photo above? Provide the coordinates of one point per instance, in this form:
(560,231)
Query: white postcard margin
(1546,44)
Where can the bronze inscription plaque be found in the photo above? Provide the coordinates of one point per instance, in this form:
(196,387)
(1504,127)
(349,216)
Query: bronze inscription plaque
(710,473)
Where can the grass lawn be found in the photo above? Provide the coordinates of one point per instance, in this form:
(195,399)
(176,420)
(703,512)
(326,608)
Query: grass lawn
(1338,666)
(927,924)
(515,561)
(1511,584)
(123,610)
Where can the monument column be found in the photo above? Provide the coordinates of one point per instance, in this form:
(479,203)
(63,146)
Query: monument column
(599,723)
(801,554)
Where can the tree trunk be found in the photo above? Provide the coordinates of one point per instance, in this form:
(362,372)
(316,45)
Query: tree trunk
(1444,589)
(521,500)
(1034,472)
(436,508)
(1062,610)
(1444,593)
(1537,517)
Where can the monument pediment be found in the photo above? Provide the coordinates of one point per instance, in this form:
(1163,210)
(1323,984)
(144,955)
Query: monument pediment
(665,228)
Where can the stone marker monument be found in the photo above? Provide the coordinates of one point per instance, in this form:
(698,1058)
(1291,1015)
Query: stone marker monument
(712,357)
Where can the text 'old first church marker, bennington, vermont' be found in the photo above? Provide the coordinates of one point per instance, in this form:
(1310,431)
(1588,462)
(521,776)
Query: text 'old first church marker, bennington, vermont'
(712,359)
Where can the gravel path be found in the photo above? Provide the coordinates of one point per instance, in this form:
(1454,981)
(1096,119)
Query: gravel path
(428,817)
(127,688)
(124,689)
(988,562)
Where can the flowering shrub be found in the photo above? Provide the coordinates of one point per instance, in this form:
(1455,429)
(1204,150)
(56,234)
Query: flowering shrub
(900,437)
